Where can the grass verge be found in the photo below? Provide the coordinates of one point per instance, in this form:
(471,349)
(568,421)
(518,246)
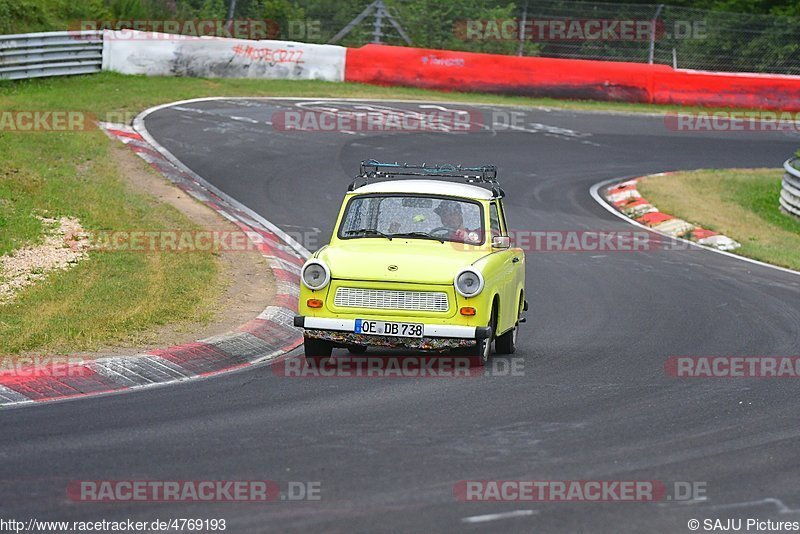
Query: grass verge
(111,297)
(739,203)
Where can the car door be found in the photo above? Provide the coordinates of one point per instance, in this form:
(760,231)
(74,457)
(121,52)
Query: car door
(506,280)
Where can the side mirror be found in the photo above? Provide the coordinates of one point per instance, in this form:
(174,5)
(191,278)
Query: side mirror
(501,242)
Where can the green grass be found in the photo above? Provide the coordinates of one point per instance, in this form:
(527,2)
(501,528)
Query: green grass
(112,297)
(117,298)
(17,208)
(742,204)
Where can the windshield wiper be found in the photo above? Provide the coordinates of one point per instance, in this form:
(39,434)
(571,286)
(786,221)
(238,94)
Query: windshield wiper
(368,231)
(424,235)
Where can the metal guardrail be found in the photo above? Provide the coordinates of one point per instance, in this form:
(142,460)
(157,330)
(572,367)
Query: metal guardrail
(790,189)
(33,55)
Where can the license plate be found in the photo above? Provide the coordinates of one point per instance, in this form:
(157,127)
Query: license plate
(388,328)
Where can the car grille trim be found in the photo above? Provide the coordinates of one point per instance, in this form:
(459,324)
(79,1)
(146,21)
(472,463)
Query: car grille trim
(387,299)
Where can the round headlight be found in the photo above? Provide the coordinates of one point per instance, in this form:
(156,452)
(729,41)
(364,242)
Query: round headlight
(316,274)
(469,282)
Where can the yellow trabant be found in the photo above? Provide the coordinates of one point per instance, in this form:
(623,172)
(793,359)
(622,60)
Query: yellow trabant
(420,258)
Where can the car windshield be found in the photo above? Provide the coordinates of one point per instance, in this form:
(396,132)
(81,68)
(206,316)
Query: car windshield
(418,217)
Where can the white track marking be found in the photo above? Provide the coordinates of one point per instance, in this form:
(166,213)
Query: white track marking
(780,507)
(496,517)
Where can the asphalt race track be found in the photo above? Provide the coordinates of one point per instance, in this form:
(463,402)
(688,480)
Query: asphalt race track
(594,402)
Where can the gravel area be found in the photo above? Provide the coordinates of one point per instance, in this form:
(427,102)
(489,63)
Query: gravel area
(61,249)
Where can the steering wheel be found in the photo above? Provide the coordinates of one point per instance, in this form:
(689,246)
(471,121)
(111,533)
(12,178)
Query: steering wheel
(443,230)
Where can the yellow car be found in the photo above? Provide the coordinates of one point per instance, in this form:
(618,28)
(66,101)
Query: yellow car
(420,258)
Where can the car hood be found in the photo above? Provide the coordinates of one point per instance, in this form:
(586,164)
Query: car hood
(418,261)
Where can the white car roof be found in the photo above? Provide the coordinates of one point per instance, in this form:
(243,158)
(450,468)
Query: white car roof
(427,187)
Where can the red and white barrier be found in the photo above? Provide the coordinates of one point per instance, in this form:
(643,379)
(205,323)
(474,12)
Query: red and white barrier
(626,198)
(159,54)
(726,89)
(441,69)
(131,52)
(568,78)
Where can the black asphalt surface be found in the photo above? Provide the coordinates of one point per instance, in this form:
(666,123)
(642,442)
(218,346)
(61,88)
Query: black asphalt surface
(594,402)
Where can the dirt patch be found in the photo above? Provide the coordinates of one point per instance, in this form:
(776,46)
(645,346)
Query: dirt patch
(246,276)
(58,251)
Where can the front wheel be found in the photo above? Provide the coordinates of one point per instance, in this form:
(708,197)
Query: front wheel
(317,351)
(507,343)
(481,352)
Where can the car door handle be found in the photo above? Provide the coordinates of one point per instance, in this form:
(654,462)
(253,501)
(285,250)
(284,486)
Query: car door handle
(516,259)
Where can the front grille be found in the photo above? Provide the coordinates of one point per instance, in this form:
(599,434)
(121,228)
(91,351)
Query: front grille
(352,297)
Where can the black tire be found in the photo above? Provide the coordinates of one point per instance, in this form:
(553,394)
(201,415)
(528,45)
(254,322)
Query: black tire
(317,351)
(480,353)
(507,343)
(357,349)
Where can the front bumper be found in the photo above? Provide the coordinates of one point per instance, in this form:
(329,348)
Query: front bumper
(434,336)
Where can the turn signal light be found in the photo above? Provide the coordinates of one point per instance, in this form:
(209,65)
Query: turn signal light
(314,303)
(467,311)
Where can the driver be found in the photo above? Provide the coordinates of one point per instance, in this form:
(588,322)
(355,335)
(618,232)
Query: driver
(453,220)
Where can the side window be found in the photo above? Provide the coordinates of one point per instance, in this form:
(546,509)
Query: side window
(503,220)
(494,220)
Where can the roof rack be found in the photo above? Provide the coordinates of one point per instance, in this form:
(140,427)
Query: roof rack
(373,169)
